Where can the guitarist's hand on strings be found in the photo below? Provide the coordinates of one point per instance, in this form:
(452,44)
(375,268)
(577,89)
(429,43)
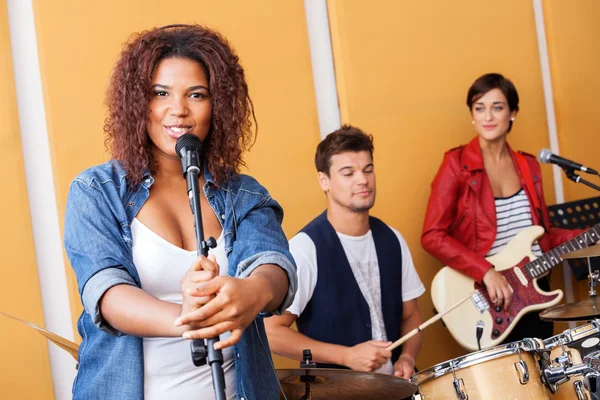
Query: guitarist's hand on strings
(498,288)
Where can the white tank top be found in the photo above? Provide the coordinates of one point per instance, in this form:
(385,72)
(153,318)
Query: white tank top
(168,369)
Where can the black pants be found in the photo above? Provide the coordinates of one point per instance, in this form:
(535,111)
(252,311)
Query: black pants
(531,326)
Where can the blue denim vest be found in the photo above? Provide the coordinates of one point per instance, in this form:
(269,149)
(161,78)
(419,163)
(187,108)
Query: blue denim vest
(100,209)
(337,311)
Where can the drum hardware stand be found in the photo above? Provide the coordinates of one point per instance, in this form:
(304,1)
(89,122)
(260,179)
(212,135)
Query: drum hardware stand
(551,380)
(459,385)
(544,361)
(307,379)
(593,277)
(307,360)
(564,359)
(578,387)
(522,369)
(591,381)
(556,376)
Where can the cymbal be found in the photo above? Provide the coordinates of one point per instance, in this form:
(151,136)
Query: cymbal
(583,310)
(337,384)
(592,251)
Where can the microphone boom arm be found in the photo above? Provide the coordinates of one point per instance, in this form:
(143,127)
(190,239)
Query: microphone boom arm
(570,173)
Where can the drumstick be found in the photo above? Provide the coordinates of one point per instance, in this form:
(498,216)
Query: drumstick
(427,323)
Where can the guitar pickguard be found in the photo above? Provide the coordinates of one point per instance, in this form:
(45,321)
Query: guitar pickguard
(523,296)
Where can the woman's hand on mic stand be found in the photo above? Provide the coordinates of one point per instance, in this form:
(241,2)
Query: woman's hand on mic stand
(233,304)
(202,270)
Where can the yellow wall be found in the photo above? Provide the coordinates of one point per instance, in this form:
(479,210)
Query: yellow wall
(403,70)
(24,363)
(572,31)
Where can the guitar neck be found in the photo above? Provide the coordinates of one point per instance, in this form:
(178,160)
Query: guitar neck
(543,264)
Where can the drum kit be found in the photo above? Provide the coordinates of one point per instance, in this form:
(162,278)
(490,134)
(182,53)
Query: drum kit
(562,367)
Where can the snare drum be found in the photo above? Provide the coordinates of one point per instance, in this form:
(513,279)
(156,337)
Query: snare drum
(508,371)
(569,347)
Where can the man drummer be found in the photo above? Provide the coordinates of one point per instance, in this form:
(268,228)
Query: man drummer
(358,287)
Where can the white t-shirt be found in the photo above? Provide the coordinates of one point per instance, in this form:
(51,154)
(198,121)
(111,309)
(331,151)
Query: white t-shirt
(362,257)
(168,369)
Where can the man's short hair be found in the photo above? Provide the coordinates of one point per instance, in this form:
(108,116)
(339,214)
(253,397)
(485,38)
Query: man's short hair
(347,138)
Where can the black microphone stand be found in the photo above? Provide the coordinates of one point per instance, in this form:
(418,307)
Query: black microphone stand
(200,350)
(188,147)
(570,172)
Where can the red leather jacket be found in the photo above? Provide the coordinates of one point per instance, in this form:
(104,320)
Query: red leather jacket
(460,223)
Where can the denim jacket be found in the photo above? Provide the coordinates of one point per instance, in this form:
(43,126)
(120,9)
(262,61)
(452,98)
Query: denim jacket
(98,242)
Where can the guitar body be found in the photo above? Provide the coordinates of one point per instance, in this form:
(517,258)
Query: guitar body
(450,286)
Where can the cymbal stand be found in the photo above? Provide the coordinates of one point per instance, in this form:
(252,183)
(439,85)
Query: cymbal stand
(307,378)
(593,280)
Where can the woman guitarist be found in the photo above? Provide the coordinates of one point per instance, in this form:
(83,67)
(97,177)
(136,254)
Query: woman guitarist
(484,194)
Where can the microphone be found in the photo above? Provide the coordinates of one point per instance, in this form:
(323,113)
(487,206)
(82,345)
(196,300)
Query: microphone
(547,157)
(188,147)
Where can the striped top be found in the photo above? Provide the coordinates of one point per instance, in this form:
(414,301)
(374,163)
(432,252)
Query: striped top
(513,214)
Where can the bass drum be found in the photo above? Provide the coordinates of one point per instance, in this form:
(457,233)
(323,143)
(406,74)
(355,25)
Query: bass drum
(507,371)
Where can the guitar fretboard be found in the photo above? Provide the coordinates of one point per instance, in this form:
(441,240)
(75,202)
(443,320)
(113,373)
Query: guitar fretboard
(543,264)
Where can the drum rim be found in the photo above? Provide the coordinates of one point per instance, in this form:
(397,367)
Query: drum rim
(571,335)
(477,357)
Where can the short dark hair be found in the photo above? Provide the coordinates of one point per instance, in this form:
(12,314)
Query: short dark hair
(347,138)
(487,82)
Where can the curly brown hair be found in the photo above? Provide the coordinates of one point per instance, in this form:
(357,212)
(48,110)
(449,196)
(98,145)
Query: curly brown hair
(130,89)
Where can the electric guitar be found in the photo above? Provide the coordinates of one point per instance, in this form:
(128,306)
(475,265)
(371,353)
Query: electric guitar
(521,269)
